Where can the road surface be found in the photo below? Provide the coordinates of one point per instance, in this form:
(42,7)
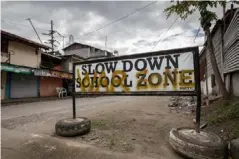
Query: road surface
(131,125)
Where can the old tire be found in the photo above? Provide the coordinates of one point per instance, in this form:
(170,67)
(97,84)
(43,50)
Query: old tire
(72,127)
(234,146)
(203,145)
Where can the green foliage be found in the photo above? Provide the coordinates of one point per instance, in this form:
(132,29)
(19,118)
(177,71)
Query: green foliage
(223,112)
(185,8)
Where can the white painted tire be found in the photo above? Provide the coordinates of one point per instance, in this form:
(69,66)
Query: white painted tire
(203,145)
(73,127)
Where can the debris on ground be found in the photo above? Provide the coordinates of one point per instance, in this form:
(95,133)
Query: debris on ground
(182,104)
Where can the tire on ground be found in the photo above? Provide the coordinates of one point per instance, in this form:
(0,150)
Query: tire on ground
(193,147)
(235,148)
(72,127)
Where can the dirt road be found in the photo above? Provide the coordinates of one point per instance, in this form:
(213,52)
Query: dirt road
(138,126)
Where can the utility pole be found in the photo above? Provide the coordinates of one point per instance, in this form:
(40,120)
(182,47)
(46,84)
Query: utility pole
(106,46)
(63,42)
(29,19)
(52,39)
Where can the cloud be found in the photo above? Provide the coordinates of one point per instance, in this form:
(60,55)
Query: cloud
(139,32)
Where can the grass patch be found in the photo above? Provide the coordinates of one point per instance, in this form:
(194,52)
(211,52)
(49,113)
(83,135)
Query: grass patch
(223,118)
(222,111)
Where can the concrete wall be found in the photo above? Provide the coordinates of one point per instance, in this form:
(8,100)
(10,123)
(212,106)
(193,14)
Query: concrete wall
(48,86)
(97,53)
(24,55)
(65,64)
(235,83)
(85,53)
(4,57)
(231,82)
(211,90)
(3,83)
(68,64)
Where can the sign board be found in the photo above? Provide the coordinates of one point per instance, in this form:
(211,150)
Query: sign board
(16,69)
(52,73)
(170,72)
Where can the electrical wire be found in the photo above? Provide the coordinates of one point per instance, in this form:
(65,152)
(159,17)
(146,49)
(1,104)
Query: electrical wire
(13,23)
(196,34)
(117,20)
(165,33)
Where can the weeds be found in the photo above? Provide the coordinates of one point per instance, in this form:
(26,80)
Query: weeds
(222,112)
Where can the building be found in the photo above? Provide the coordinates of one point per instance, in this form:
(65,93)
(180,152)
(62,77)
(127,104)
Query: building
(85,51)
(52,75)
(225,36)
(24,68)
(68,61)
(67,66)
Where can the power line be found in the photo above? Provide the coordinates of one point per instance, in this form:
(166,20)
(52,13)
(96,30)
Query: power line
(165,33)
(29,19)
(196,34)
(13,23)
(117,20)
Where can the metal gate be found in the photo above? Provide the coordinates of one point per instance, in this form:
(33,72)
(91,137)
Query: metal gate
(23,85)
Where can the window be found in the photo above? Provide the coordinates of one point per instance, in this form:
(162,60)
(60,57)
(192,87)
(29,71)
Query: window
(213,81)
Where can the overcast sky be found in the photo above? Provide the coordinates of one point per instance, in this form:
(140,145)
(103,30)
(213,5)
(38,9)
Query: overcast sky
(137,33)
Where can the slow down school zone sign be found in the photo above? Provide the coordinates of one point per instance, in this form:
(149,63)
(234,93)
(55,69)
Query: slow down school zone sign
(147,73)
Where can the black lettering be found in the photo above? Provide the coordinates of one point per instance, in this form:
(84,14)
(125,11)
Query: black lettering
(116,78)
(78,81)
(130,66)
(126,84)
(172,76)
(94,81)
(107,81)
(156,63)
(136,65)
(110,67)
(173,62)
(159,79)
(83,69)
(85,82)
(141,81)
(90,72)
(97,68)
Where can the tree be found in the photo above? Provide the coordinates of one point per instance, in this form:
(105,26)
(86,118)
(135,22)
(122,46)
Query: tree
(185,8)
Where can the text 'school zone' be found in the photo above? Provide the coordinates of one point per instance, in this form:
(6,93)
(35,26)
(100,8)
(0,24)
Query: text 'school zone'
(172,75)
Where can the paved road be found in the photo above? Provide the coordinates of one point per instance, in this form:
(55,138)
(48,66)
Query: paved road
(40,117)
(27,109)
(19,121)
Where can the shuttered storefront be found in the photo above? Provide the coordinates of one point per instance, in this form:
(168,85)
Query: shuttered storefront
(23,86)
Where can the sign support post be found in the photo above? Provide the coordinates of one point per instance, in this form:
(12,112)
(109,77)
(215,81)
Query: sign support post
(73,94)
(198,88)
